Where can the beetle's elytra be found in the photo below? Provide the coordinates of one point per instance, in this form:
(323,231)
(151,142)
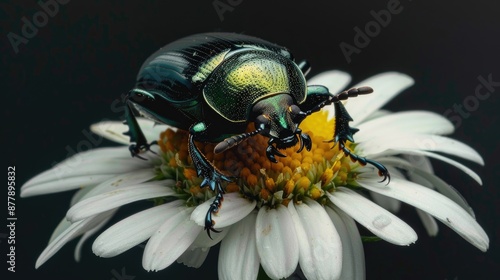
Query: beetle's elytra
(214,84)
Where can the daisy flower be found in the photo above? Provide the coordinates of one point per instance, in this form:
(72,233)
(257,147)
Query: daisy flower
(295,216)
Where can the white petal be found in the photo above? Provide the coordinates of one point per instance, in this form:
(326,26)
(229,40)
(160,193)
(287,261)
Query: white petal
(276,242)
(388,203)
(63,225)
(133,230)
(71,166)
(445,189)
(436,204)
(118,197)
(411,122)
(64,184)
(205,241)
(87,235)
(194,257)
(65,177)
(385,86)
(96,155)
(420,162)
(238,256)
(320,247)
(234,208)
(79,195)
(69,234)
(334,80)
(415,172)
(375,218)
(170,241)
(196,253)
(121,181)
(113,130)
(429,222)
(433,143)
(377,114)
(455,163)
(353,256)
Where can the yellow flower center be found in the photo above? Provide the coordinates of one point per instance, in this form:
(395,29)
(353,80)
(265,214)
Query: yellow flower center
(298,175)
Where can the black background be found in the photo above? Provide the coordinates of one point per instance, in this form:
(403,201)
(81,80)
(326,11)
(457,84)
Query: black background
(87,55)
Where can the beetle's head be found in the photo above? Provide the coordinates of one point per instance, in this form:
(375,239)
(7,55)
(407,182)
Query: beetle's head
(278,118)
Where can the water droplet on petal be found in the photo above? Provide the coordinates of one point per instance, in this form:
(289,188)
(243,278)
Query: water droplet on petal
(381,221)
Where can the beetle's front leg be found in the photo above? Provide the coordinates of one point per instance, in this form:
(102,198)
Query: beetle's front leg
(211,176)
(136,135)
(318,97)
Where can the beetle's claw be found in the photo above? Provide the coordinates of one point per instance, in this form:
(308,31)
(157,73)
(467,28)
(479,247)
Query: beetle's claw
(212,178)
(215,185)
(305,141)
(214,208)
(387,177)
(271,152)
(136,150)
(211,229)
(382,170)
(149,146)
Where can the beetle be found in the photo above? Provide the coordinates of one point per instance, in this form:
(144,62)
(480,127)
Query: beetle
(214,84)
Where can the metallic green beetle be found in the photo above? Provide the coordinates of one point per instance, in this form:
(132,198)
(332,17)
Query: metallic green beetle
(213,85)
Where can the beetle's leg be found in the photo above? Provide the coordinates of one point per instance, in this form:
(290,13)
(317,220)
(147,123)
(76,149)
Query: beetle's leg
(304,67)
(211,176)
(136,135)
(318,97)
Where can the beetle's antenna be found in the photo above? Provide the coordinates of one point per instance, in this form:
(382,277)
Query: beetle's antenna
(232,141)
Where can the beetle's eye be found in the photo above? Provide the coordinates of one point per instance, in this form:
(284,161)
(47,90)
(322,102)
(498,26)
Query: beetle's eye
(262,121)
(296,114)
(294,109)
(139,96)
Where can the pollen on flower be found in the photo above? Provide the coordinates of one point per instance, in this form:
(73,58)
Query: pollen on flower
(315,193)
(189,173)
(251,180)
(303,184)
(289,187)
(270,185)
(327,176)
(232,187)
(195,190)
(308,173)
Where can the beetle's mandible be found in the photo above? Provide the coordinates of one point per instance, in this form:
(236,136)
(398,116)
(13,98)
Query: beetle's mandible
(214,84)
